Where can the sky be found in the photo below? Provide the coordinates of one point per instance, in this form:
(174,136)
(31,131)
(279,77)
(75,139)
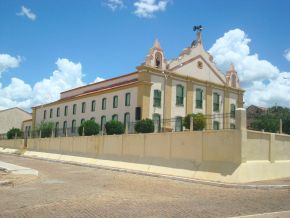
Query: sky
(50,46)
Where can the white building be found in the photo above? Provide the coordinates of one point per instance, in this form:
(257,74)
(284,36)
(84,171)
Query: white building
(160,89)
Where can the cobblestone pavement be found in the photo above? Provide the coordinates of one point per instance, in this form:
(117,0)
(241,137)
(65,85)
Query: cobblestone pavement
(64,190)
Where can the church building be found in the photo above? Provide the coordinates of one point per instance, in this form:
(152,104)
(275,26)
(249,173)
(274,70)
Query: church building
(159,89)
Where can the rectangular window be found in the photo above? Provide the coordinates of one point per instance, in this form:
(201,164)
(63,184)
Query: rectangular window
(216,125)
(115,102)
(44,114)
(74,108)
(198,98)
(58,112)
(127,99)
(83,107)
(93,106)
(50,113)
(157,98)
(216,102)
(233,111)
(104,103)
(179,95)
(65,110)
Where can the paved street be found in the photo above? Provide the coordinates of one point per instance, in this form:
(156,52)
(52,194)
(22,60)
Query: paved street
(64,190)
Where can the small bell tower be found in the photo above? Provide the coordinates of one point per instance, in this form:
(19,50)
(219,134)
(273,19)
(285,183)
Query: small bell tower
(156,58)
(232,77)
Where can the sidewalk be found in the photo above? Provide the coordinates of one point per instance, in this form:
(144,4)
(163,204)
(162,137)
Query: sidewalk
(144,169)
(15,169)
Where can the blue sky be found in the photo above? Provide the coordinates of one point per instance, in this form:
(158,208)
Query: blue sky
(111,37)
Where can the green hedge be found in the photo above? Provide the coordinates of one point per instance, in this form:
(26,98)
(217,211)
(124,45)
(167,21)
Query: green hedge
(144,126)
(114,127)
(90,127)
(14,132)
(46,129)
(199,121)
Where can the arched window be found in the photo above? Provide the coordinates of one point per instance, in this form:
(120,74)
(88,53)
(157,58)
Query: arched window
(115,117)
(82,121)
(65,110)
(158,60)
(233,110)
(93,107)
(115,101)
(44,114)
(64,127)
(74,108)
(73,126)
(127,119)
(179,95)
(157,98)
(178,124)
(83,107)
(92,118)
(103,122)
(157,122)
(56,129)
(104,102)
(198,98)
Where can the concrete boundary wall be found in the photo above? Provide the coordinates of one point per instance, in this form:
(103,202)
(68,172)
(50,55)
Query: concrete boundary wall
(225,155)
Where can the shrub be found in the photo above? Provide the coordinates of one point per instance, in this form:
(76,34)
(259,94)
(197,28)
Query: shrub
(90,127)
(114,127)
(199,121)
(144,126)
(14,132)
(46,129)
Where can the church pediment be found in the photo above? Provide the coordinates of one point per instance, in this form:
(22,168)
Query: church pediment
(197,63)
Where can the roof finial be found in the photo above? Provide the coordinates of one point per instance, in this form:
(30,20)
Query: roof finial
(232,67)
(198,30)
(157,44)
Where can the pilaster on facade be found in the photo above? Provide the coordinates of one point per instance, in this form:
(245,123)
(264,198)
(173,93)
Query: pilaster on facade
(209,104)
(226,108)
(167,102)
(189,97)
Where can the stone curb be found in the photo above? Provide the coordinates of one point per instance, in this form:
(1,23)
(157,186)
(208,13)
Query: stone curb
(164,176)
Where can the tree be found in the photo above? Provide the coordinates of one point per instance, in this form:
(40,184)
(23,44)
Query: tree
(14,132)
(270,121)
(90,127)
(266,122)
(144,126)
(46,129)
(199,121)
(114,127)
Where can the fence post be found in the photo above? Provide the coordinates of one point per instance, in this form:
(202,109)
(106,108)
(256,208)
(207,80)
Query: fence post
(83,131)
(191,123)
(126,128)
(241,119)
(15,137)
(65,132)
(40,134)
(52,133)
(281,125)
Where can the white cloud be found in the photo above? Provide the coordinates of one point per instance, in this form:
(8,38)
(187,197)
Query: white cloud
(114,4)
(287,54)
(18,93)
(26,12)
(265,85)
(7,62)
(147,8)
(99,79)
